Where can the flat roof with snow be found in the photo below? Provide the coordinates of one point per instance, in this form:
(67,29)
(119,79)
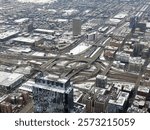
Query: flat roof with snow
(22,20)
(7,34)
(44,31)
(79,49)
(29,40)
(114,21)
(20,50)
(7,79)
(120,16)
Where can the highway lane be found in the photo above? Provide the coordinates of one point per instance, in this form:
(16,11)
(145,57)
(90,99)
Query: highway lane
(101,43)
(73,72)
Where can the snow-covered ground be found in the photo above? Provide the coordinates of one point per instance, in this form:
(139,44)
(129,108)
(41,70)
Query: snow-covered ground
(95,52)
(62,63)
(84,86)
(93,68)
(79,49)
(38,54)
(37,1)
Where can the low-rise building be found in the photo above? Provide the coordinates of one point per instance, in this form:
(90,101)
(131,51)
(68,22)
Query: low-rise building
(9,81)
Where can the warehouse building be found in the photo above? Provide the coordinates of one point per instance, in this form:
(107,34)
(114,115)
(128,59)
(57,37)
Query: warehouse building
(32,41)
(8,35)
(9,81)
(44,31)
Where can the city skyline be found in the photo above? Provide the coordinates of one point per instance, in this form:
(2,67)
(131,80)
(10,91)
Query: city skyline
(76,56)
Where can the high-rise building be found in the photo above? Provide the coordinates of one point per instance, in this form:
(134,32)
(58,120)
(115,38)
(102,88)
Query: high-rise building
(118,105)
(142,26)
(101,81)
(52,96)
(92,36)
(88,100)
(137,49)
(100,103)
(133,22)
(76,27)
(135,64)
(30,27)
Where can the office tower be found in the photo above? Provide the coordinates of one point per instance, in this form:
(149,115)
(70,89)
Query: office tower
(76,27)
(133,22)
(101,81)
(137,49)
(51,96)
(118,105)
(141,26)
(135,64)
(100,103)
(91,36)
(88,100)
(30,27)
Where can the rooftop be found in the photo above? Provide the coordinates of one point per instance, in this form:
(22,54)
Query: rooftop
(120,15)
(22,20)
(101,77)
(47,87)
(25,39)
(7,79)
(136,60)
(28,86)
(143,89)
(119,102)
(7,34)
(44,30)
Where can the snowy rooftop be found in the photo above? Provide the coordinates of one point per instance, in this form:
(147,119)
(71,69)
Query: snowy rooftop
(22,20)
(120,15)
(7,79)
(7,34)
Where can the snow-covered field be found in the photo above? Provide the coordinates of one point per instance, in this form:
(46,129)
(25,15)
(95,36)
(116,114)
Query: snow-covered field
(37,1)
